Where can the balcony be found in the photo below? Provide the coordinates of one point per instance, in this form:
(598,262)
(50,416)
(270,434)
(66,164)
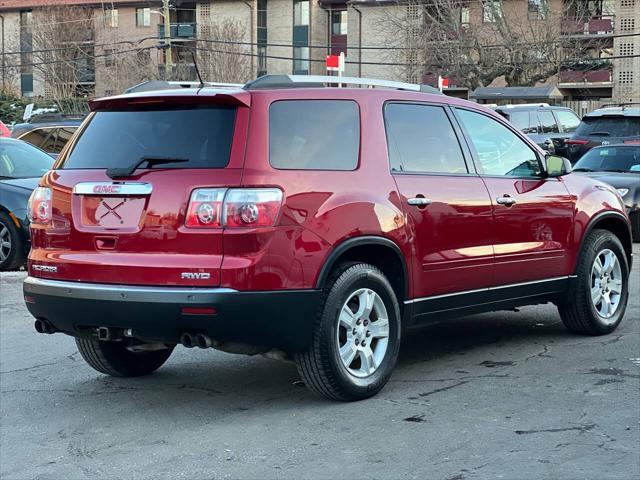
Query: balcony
(179,31)
(598,26)
(601,77)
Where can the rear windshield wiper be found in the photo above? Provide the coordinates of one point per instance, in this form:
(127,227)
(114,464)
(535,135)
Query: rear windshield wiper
(150,161)
(600,134)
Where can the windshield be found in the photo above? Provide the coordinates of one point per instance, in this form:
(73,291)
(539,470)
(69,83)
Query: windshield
(21,160)
(200,137)
(616,159)
(609,127)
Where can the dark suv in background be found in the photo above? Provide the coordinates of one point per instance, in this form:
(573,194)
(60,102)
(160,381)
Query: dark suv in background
(546,125)
(605,126)
(312,223)
(49,132)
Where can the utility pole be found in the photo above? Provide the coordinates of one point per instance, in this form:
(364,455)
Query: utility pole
(168,57)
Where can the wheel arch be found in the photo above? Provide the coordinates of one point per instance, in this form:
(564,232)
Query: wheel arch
(616,223)
(382,252)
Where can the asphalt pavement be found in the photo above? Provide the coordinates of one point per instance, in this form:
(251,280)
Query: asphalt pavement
(501,395)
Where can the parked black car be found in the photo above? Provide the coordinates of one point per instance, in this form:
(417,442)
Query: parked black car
(21,166)
(605,126)
(619,166)
(49,132)
(546,125)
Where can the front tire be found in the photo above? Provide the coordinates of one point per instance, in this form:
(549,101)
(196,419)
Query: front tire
(113,358)
(598,302)
(356,337)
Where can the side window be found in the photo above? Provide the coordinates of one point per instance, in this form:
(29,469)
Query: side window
(63,136)
(314,134)
(568,120)
(520,120)
(500,151)
(37,137)
(533,123)
(421,139)
(547,121)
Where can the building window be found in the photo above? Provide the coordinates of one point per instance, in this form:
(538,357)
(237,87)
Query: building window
(537,9)
(627,24)
(143,17)
(300,60)
(262,37)
(109,57)
(301,37)
(300,13)
(111,18)
(491,10)
(338,22)
(464,15)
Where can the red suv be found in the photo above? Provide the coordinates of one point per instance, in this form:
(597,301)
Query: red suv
(296,220)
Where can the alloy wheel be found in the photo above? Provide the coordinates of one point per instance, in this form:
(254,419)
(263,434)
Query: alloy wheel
(363,333)
(606,283)
(5,242)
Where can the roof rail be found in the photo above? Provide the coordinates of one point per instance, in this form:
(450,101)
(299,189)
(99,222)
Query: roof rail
(152,85)
(534,104)
(623,105)
(319,81)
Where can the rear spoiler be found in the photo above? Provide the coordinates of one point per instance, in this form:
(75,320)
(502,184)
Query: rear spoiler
(172,98)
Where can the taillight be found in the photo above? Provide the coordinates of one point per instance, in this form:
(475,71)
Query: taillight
(252,207)
(39,206)
(236,207)
(205,208)
(576,142)
(632,142)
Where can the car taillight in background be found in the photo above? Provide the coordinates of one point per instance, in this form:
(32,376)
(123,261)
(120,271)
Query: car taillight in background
(632,142)
(39,206)
(576,142)
(233,208)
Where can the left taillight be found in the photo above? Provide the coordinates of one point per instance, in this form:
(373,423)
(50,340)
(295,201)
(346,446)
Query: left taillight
(39,206)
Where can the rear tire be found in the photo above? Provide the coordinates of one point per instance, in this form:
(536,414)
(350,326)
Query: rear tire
(356,337)
(11,244)
(113,358)
(598,301)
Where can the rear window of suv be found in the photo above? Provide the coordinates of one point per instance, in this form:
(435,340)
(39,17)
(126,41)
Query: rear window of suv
(117,139)
(314,134)
(609,127)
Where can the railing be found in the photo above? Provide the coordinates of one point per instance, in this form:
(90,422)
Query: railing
(183,31)
(602,75)
(592,26)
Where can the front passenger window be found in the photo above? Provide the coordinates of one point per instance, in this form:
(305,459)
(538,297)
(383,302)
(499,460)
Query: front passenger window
(500,151)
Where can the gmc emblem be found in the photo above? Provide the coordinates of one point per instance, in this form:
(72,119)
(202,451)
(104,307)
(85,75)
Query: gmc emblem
(195,276)
(105,189)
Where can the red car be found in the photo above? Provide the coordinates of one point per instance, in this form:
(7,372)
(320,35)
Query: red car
(4,131)
(296,220)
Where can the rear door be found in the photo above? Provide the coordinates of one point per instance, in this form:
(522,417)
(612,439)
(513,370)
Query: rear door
(131,229)
(533,216)
(548,129)
(447,205)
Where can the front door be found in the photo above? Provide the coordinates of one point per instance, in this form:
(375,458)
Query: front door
(447,206)
(533,216)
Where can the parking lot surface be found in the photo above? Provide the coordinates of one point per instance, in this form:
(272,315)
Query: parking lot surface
(501,395)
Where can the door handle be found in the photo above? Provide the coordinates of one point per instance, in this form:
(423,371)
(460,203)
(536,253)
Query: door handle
(419,202)
(506,200)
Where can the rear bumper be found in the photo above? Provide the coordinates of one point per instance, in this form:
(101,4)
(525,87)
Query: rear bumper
(279,319)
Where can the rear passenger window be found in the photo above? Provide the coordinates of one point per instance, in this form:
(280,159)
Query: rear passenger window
(547,122)
(568,120)
(421,139)
(314,134)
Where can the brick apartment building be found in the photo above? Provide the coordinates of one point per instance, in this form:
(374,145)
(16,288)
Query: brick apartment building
(294,36)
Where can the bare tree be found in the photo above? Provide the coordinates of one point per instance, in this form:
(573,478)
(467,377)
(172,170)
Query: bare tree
(222,54)
(124,66)
(443,37)
(63,55)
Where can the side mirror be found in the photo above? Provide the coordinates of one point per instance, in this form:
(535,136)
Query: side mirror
(556,166)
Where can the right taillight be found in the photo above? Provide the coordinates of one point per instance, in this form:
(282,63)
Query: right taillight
(233,208)
(576,142)
(39,208)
